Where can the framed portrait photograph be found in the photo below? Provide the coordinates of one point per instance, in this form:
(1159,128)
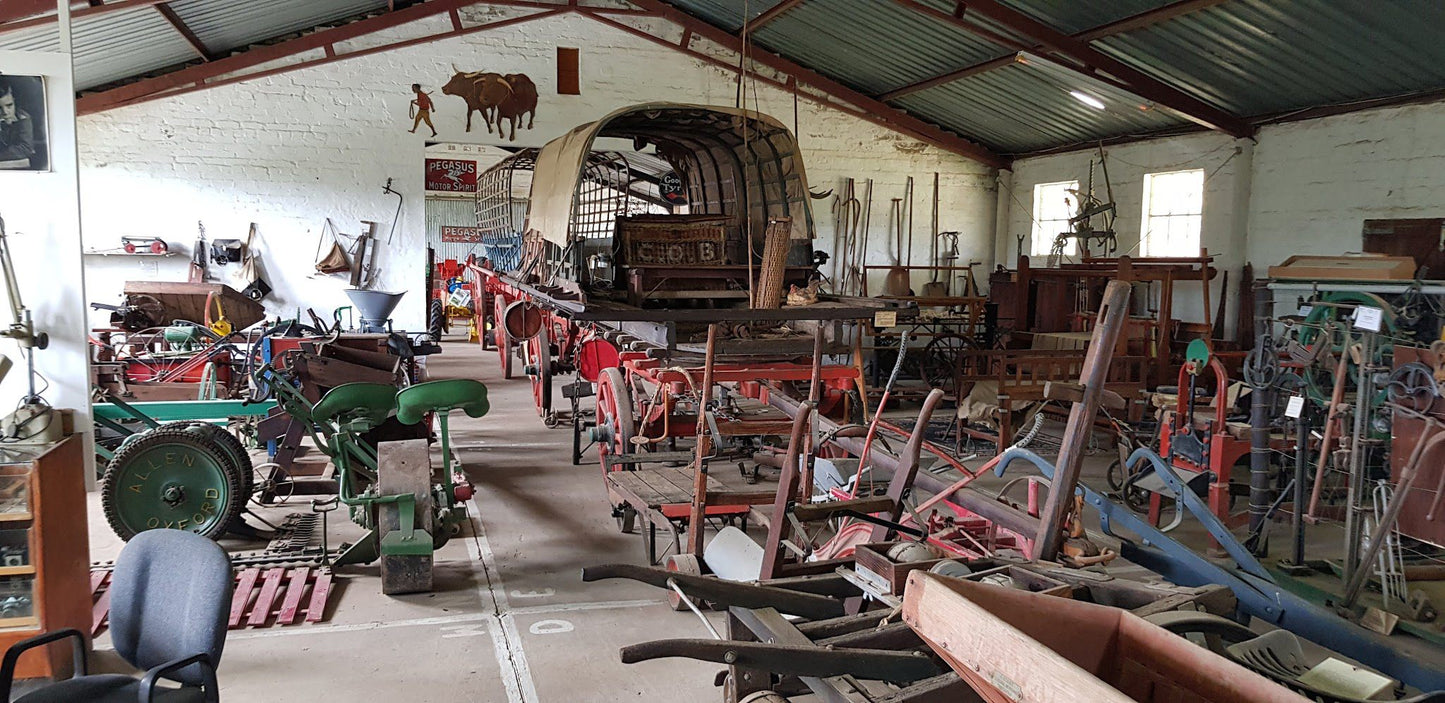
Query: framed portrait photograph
(23,135)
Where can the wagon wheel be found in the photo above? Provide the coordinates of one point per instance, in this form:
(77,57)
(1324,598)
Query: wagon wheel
(499,332)
(539,368)
(943,359)
(615,422)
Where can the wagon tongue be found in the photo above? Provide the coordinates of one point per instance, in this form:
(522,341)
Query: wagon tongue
(374,307)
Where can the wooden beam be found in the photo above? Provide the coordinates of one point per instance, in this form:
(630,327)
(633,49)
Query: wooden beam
(1148,18)
(13,10)
(205,76)
(881,113)
(1141,20)
(1097,64)
(180,26)
(771,14)
(951,76)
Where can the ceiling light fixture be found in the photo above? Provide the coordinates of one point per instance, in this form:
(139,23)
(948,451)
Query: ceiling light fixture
(1087,99)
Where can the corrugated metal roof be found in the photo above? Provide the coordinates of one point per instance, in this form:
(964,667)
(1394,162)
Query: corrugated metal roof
(1076,17)
(1022,108)
(727,14)
(1248,57)
(1251,58)
(1254,57)
(869,45)
(224,25)
(112,46)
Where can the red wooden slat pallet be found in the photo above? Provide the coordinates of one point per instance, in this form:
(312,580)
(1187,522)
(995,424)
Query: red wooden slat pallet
(263,597)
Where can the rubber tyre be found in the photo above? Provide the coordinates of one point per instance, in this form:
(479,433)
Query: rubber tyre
(120,480)
(436,320)
(237,451)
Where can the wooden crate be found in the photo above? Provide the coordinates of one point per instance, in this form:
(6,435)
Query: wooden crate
(673,240)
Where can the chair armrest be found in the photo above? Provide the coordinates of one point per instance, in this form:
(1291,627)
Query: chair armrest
(148,682)
(12,655)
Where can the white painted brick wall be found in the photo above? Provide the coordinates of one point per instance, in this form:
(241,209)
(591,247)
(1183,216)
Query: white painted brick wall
(1226,165)
(1301,188)
(291,150)
(1316,181)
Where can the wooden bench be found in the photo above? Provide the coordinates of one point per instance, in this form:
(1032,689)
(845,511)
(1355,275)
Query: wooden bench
(1023,374)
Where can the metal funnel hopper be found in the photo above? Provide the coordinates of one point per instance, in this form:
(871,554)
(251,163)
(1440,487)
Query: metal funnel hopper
(373,307)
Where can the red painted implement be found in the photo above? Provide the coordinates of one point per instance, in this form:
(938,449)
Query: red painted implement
(263,597)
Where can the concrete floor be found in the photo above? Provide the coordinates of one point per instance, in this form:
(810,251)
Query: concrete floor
(510,619)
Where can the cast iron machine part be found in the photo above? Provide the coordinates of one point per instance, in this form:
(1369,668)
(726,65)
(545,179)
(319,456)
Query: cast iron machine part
(22,329)
(336,424)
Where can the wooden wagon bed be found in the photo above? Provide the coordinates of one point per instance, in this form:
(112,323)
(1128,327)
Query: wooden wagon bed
(662,497)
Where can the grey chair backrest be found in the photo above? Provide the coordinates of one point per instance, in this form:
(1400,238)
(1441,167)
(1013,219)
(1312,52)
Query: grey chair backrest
(170,597)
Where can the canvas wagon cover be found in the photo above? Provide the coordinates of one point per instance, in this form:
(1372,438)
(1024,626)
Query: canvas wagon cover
(767,153)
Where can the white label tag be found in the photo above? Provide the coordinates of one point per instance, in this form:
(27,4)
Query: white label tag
(1368,318)
(1305,310)
(885,318)
(1295,407)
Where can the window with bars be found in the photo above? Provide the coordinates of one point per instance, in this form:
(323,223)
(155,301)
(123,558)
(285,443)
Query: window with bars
(1173,213)
(1053,206)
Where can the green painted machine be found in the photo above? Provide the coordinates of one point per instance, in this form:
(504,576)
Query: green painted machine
(195,476)
(336,424)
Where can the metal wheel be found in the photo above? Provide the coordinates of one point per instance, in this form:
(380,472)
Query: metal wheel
(1137,499)
(616,424)
(240,457)
(943,359)
(171,478)
(682,564)
(499,332)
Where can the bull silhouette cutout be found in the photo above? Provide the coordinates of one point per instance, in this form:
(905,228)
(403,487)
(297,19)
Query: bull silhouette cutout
(497,97)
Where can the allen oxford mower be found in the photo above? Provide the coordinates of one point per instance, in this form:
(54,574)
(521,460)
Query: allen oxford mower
(198,477)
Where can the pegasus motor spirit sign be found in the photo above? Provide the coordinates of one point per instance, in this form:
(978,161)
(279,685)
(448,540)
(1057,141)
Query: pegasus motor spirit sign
(451,175)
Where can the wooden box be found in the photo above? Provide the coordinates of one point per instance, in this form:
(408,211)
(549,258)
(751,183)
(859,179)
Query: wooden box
(1346,268)
(673,240)
(872,562)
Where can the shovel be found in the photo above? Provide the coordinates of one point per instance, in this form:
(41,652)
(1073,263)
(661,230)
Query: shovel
(935,288)
(895,283)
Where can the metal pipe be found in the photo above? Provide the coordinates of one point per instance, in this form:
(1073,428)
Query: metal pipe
(1364,389)
(1302,444)
(1259,421)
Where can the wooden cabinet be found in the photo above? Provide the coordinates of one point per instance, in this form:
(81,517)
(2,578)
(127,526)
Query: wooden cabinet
(44,551)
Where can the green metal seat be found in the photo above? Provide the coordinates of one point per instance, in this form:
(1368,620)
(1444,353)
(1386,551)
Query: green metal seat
(463,394)
(370,403)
